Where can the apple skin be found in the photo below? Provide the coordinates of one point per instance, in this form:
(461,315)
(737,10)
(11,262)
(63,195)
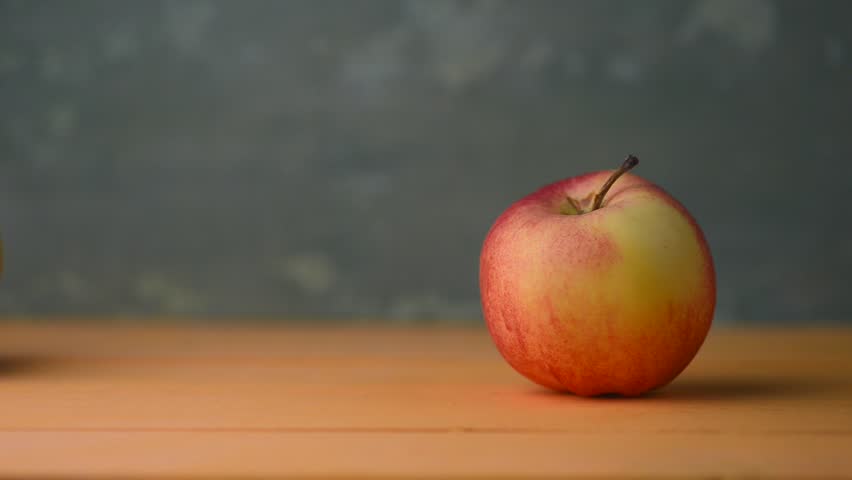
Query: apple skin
(614,301)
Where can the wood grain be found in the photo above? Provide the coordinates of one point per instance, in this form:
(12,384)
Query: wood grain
(84,400)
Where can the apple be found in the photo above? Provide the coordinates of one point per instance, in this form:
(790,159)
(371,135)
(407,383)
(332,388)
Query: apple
(598,284)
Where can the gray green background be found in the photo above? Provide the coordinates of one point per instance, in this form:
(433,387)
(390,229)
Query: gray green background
(344,159)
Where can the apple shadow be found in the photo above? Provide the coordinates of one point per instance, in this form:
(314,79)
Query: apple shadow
(720,389)
(20,365)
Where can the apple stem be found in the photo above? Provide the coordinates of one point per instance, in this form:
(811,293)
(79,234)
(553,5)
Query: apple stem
(629,162)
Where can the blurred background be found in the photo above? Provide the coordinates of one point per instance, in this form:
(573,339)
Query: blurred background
(344,160)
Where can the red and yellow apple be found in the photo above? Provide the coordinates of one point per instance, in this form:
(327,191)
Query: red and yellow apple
(597,284)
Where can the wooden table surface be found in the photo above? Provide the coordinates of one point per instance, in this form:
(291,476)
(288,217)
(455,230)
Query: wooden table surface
(148,401)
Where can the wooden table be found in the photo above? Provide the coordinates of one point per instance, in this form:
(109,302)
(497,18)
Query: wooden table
(147,401)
